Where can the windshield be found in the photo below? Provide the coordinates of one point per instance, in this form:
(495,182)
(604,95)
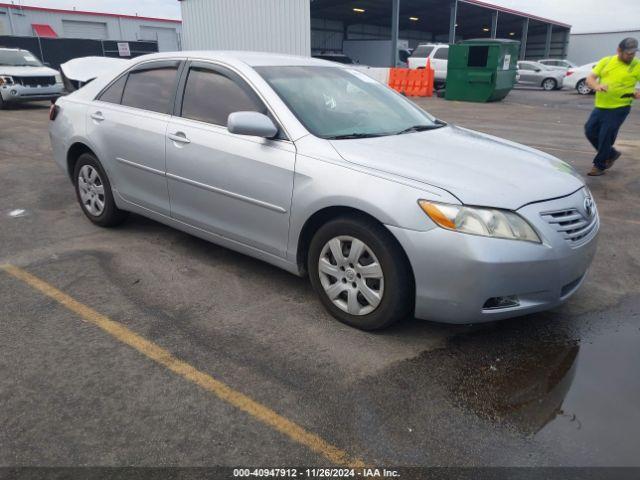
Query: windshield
(339,102)
(18,58)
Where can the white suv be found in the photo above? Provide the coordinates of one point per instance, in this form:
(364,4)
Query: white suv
(439,55)
(23,77)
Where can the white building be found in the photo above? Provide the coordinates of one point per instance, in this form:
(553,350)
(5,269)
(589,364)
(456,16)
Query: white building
(590,47)
(20,20)
(303,27)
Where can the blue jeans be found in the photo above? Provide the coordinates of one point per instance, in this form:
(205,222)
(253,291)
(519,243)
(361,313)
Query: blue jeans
(602,130)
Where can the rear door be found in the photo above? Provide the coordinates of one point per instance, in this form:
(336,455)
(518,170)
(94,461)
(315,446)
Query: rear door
(232,185)
(128,125)
(440,61)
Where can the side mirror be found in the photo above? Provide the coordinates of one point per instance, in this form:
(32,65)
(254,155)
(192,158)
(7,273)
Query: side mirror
(538,70)
(251,123)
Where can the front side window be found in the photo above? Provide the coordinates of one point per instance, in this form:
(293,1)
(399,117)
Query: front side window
(339,102)
(211,97)
(150,89)
(18,58)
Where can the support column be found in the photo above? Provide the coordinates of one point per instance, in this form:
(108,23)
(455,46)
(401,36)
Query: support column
(547,45)
(494,24)
(523,41)
(395,28)
(453,16)
(11,27)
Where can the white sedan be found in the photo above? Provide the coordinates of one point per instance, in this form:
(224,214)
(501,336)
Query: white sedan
(577,78)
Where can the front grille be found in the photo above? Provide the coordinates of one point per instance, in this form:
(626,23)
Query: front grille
(35,81)
(574,227)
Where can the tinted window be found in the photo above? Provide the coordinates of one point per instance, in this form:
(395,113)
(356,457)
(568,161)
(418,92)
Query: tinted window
(442,53)
(113,94)
(150,89)
(210,97)
(422,51)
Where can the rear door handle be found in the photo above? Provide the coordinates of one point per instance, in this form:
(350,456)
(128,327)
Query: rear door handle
(179,137)
(97,116)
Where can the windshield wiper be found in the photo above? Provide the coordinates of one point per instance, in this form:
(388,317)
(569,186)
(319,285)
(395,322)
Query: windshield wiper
(354,135)
(421,128)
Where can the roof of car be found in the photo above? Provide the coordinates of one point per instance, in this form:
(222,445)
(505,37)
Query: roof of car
(253,59)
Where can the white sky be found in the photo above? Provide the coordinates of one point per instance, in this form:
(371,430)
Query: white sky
(583,15)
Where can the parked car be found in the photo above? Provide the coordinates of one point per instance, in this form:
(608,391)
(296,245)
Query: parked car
(577,78)
(438,53)
(24,78)
(534,73)
(335,57)
(557,64)
(320,170)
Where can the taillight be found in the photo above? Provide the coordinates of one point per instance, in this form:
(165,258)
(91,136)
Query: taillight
(53,111)
(569,73)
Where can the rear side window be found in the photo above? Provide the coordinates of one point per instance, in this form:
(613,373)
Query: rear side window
(210,97)
(113,94)
(442,53)
(422,51)
(151,89)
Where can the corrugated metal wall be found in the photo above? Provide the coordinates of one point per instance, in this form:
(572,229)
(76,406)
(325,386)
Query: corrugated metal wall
(281,26)
(591,47)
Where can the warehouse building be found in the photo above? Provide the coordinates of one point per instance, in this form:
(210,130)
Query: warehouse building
(590,47)
(303,27)
(26,21)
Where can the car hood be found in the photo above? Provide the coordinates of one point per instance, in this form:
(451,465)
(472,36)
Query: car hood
(28,71)
(478,169)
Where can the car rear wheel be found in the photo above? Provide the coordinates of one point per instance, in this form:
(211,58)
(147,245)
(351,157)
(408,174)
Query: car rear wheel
(583,88)
(549,84)
(93,192)
(360,273)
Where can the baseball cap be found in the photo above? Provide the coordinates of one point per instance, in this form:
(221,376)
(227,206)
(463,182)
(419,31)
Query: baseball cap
(629,44)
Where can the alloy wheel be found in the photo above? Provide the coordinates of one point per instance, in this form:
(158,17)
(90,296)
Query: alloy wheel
(351,275)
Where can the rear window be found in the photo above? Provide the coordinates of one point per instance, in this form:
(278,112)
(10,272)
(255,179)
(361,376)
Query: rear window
(113,94)
(422,51)
(150,89)
(442,53)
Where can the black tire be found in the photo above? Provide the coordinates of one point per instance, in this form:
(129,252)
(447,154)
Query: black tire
(549,84)
(111,215)
(398,293)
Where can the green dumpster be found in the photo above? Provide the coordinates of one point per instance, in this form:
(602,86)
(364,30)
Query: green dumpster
(482,70)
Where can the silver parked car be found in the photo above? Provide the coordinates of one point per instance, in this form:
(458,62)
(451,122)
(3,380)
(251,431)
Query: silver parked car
(316,168)
(534,73)
(557,63)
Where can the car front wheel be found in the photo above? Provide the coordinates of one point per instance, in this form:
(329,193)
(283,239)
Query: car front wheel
(360,273)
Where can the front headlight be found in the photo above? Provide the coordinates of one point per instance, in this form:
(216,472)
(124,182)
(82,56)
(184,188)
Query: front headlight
(6,80)
(488,222)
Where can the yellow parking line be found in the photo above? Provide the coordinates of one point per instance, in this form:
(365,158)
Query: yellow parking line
(165,358)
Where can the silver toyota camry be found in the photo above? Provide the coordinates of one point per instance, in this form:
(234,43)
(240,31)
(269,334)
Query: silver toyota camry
(316,168)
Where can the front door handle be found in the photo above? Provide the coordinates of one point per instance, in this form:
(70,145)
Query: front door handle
(179,137)
(97,116)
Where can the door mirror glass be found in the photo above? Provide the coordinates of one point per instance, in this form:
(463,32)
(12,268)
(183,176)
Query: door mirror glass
(251,123)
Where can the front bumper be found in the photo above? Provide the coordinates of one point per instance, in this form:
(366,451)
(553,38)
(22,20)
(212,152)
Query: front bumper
(456,274)
(20,93)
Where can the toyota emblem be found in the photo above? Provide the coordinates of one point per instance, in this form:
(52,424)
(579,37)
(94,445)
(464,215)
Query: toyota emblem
(588,206)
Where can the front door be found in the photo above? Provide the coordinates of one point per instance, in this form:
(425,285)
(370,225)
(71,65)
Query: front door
(235,186)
